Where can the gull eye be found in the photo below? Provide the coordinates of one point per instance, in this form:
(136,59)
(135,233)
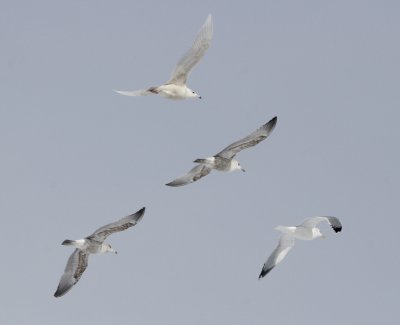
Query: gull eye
(193,92)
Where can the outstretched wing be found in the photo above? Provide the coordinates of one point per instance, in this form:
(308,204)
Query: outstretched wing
(76,265)
(286,242)
(140,92)
(103,232)
(313,221)
(193,175)
(251,140)
(193,55)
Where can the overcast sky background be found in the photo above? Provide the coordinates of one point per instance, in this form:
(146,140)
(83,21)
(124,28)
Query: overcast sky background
(75,156)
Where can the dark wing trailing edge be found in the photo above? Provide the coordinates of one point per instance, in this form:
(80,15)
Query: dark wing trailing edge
(251,140)
(76,265)
(193,175)
(103,232)
(286,242)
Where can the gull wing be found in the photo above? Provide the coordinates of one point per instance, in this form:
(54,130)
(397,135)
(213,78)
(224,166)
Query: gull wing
(76,265)
(251,140)
(140,92)
(313,221)
(103,232)
(193,55)
(286,242)
(193,175)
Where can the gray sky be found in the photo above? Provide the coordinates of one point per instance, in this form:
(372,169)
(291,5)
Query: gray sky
(75,156)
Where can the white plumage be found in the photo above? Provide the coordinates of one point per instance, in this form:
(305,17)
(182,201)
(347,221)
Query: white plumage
(305,231)
(175,87)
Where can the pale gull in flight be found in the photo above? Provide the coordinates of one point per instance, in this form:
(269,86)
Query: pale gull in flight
(92,244)
(306,231)
(224,160)
(175,87)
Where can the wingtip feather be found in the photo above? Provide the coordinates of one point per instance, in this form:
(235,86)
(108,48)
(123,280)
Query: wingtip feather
(173,184)
(61,292)
(263,273)
(273,121)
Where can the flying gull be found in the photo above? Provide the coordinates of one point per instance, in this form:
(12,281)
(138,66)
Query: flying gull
(92,244)
(175,87)
(224,160)
(306,231)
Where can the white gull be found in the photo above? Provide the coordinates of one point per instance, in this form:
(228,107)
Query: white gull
(175,87)
(305,231)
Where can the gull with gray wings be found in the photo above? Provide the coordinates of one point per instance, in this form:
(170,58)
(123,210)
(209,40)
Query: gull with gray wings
(93,244)
(305,231)
(224,160)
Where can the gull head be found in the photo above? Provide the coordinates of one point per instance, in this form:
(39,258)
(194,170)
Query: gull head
(235,165)
(110,249)
(192,94)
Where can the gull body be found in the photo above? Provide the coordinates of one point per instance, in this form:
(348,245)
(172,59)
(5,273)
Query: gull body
(90,246)
(302,233)
(221,164)
(175,87)
(224,160)
(307,230)
(93,244)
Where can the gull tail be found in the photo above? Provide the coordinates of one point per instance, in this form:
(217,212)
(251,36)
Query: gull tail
(264,272)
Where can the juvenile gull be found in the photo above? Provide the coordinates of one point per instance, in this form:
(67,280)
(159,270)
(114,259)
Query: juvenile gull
(175,87)
(224,160)
(306,231)
(92,244)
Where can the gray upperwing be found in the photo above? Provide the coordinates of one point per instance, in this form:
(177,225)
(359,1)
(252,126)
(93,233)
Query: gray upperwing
(103,232)
(313,221)
(193,55)
(286,242)
(251,140)
(193,175)
(335,223)
(74,269)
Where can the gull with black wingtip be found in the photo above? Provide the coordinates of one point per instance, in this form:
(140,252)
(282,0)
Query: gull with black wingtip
(93,244)
(224,161)
(305,231)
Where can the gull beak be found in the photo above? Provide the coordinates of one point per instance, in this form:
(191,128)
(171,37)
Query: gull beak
(199,97)
(242,169)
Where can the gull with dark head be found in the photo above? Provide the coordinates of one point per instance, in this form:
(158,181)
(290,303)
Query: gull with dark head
(92,244)
(305,231)
(175,87)
(224,161)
